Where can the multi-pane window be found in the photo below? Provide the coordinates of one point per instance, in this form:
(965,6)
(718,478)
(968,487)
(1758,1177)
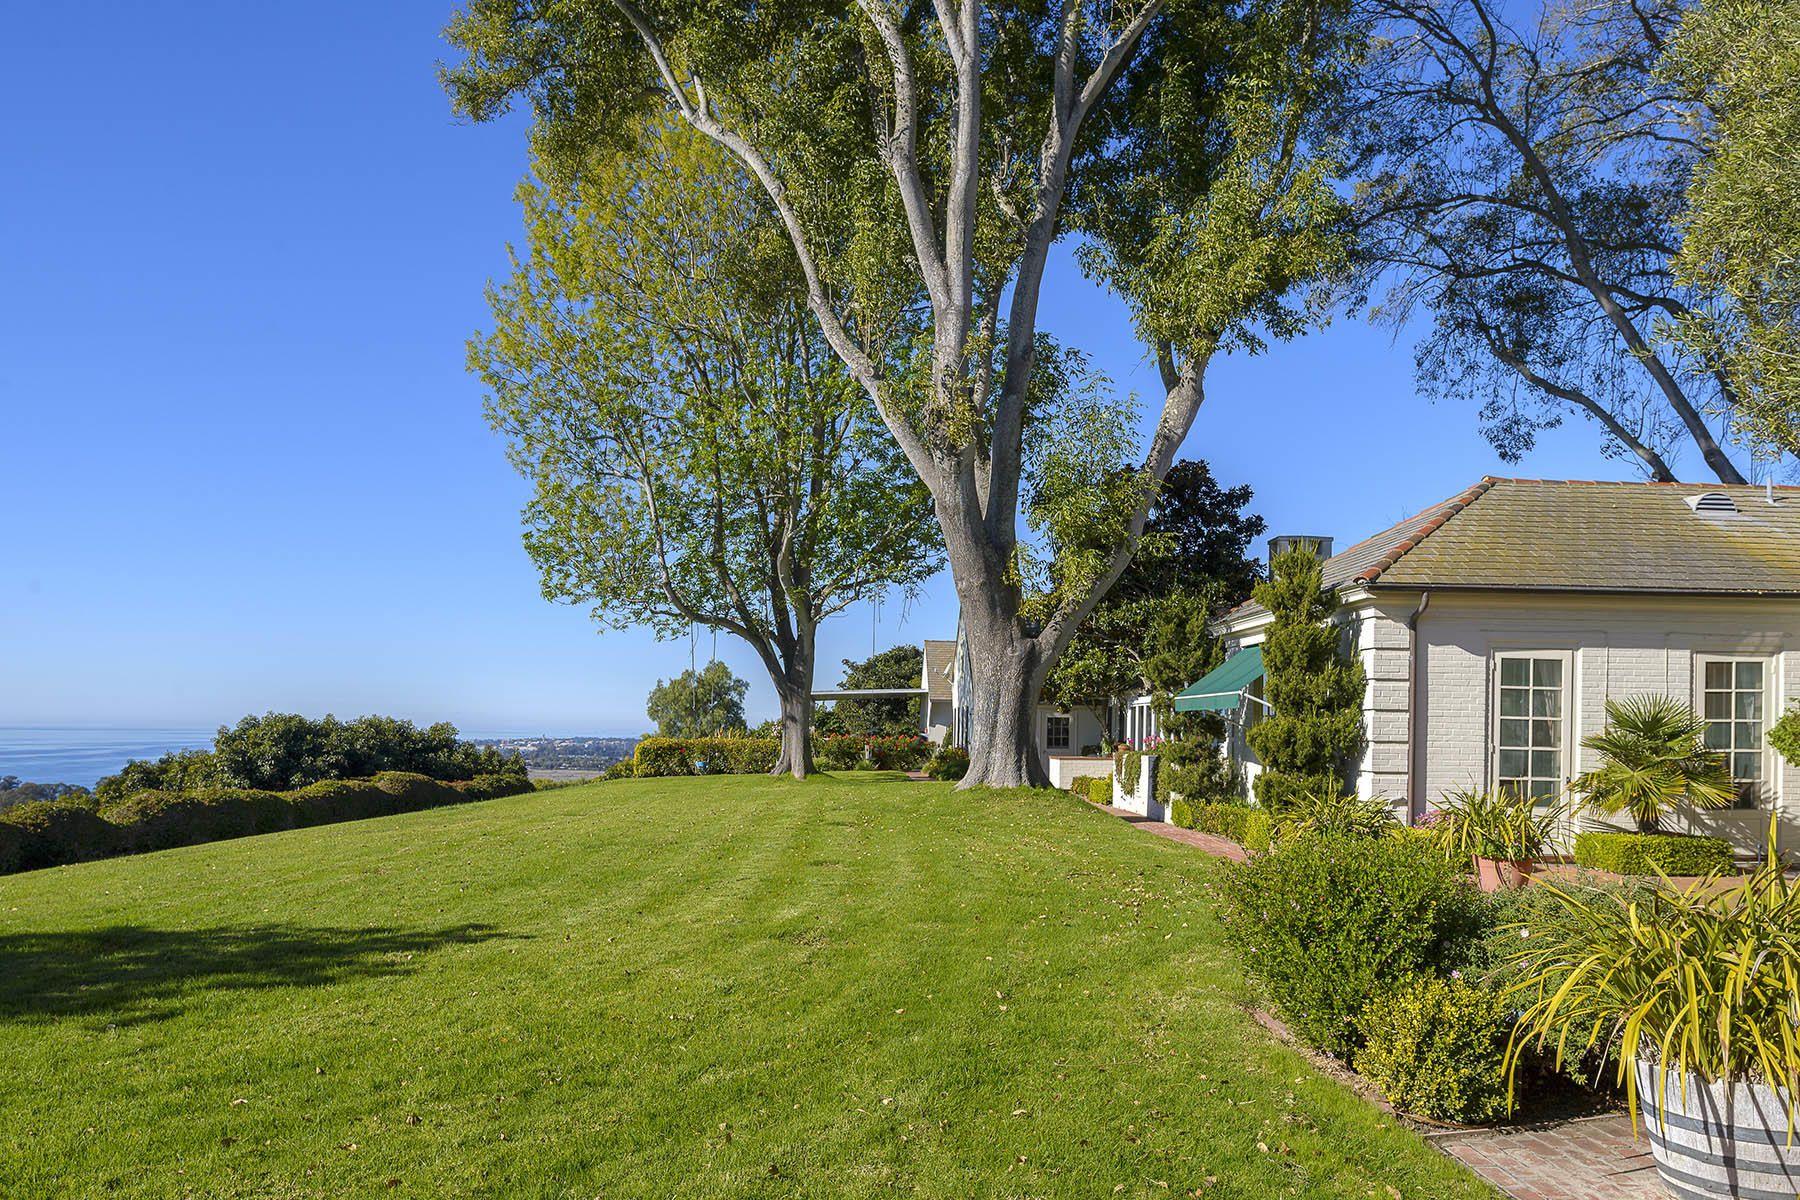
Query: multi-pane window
(1056,732)
(1529,740)
(1732,703)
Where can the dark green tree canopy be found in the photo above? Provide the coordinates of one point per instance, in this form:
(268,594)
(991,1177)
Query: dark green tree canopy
(703,703)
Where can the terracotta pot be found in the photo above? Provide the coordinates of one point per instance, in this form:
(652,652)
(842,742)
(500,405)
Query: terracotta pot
(1495,874)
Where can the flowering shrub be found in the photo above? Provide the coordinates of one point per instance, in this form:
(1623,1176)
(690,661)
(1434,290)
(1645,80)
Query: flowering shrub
(898,752)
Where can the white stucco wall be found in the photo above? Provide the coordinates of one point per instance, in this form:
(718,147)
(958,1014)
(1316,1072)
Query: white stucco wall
(1066,769)
(1615,647)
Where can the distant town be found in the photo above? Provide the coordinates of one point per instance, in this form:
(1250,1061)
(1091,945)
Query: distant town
(564,757)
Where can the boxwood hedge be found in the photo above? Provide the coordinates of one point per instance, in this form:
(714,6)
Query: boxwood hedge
(1644,853)
(662,756)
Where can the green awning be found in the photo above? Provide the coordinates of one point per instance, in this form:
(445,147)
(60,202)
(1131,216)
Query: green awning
(1223,687)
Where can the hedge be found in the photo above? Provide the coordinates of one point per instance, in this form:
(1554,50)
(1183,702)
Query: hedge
(1644,853)
(49,834)
(1099,789)
(1248,827)
(664,756)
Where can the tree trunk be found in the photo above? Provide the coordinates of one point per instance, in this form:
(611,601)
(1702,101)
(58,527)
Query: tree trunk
(795,693)
(1006,680)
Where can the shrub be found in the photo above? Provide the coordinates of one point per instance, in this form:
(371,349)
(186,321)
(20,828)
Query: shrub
(950,762)
(1645,853)
(52,832)
(898,752)
(1249,827)
(623,769)
(1437,1047)
(1099,789)
(661,756)
(159,820)
(492,787)
(1326,923)
(412,792)
(1128,766)
(335,800)
(1181,813)
(837,751)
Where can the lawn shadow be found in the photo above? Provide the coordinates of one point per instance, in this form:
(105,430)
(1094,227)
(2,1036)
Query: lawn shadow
(127,974)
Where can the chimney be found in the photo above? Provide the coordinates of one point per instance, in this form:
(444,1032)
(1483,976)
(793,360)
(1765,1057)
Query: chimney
(1293,541)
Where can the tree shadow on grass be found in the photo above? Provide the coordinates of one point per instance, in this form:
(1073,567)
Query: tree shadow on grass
(126,974)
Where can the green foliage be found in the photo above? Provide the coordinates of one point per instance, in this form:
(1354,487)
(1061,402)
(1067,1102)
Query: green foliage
(1740,250)
(1437,1047)
(839,751)
(1314,683)
(898,752)
(1128,767)
(705,756)
(897,666)
(1704,980)
(50,834)
(625,768)
(1653,760)
(1099,789)
(1784,735)
(1149,631)
(1647,853)
(1326,924)
(14,791)
(1340,815)
(1251,828)
(697,704)
(1496,824)
(284,751)
(949,763)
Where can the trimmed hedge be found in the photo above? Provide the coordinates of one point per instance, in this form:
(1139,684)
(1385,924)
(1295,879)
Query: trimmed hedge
(1644,853)
(54,833)
(665,756)
(1249,827)
(1328,924)
(1099,789)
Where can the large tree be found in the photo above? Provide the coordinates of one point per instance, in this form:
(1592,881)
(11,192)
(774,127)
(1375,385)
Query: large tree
(924,160)
(1739,62)
(698,453)
(1523,189)
(895,667)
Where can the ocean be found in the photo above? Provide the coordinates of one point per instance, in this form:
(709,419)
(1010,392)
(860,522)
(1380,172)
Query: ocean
(82,754)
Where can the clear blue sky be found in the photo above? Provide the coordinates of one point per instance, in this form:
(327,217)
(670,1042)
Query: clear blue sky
(245,470)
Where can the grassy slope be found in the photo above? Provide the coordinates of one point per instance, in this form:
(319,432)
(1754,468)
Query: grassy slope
(737,987)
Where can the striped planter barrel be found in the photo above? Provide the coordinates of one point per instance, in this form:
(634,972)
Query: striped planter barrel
(1719,1139)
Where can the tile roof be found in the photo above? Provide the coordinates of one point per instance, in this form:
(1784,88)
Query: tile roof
(940,658)
(1573,535)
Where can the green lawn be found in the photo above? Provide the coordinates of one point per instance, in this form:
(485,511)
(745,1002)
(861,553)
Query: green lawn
(727,987)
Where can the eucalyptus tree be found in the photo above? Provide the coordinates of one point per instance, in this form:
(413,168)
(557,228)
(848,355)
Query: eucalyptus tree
(1523,189)
(924,160)
(1739,60)
(699,455)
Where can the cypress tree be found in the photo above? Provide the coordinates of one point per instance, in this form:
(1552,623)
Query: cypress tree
(1315,685)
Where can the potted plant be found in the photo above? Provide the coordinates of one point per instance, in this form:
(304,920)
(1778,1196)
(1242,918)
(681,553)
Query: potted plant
(1502,833)
(1653,760)
(1696,993)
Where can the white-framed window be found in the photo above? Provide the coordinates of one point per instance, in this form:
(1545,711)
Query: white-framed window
(1734,702)
(1056,731)
(1530,757)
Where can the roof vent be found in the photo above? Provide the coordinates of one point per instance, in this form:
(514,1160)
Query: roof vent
(1712,502)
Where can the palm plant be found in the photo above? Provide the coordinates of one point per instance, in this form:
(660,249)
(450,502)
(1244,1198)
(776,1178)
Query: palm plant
(1654,760)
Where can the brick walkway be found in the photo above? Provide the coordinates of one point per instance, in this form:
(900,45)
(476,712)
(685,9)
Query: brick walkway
(1591,1158)
(1215,846)
(1588,1158)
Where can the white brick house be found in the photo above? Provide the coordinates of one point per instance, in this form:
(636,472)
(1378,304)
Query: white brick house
(1494,626)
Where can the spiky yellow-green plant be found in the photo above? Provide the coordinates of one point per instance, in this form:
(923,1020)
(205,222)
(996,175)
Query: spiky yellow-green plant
(1496,824)
(1702,981)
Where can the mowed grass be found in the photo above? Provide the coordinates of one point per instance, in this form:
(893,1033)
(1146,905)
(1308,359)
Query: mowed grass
(854,986)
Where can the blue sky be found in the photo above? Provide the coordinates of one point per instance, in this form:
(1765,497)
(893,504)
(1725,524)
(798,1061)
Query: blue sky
(244,466)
